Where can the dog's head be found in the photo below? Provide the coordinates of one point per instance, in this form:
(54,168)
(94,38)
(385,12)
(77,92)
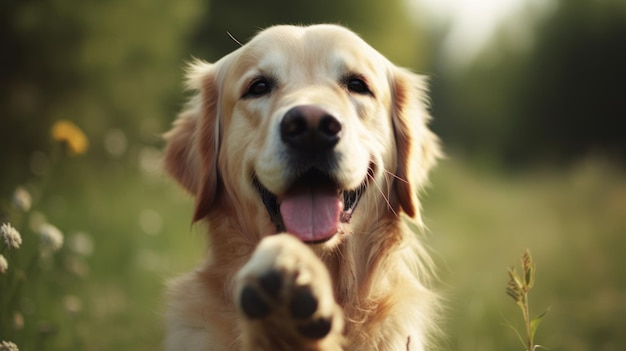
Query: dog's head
(309,124)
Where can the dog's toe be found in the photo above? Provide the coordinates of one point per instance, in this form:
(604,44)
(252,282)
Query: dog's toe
(252,304)
(315,329)
(272,282)
(303,304)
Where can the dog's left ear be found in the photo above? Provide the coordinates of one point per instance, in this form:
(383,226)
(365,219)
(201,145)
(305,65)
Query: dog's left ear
(193,144)
(417,147)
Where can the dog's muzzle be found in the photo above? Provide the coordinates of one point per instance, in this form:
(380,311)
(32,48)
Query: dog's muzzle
(314,205)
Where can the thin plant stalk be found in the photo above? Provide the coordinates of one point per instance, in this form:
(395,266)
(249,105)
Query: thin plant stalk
(519,288)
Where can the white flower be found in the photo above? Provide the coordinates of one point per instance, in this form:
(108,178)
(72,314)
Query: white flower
(22,199)
(81,244)
(4,265)
(51,237)
(11,236)
(72,304)
(8,346)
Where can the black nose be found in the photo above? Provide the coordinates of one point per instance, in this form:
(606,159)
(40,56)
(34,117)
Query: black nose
(309,128)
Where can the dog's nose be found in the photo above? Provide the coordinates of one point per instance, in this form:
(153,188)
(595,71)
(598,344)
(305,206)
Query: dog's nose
(310,128)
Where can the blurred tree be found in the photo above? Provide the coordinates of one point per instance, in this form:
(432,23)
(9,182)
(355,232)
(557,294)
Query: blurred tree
(557,101)
(571,95)
(132,62)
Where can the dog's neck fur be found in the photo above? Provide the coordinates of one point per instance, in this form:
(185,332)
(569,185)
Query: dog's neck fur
(232,240)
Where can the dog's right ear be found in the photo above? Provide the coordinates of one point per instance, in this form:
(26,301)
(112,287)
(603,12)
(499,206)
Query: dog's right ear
(193,143)
(417,147)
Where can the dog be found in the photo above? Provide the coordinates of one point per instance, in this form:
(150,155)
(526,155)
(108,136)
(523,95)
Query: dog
(305,150)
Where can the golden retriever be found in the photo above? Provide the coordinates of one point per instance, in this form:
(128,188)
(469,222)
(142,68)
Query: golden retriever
(305,150)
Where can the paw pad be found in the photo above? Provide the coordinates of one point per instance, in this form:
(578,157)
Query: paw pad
(303,303)
(316,329)
(252,304)
(272,282)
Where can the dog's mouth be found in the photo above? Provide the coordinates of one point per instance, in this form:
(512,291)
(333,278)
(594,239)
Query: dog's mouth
(313,208)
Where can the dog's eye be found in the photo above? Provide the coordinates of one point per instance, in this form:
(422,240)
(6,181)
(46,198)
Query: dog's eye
(357,85)
(258,87)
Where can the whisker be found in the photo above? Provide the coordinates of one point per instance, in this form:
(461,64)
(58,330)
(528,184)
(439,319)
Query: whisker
(382,193)
(232,37)
(395,176)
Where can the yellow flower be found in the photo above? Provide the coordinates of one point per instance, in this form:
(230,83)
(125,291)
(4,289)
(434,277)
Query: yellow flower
(71,135)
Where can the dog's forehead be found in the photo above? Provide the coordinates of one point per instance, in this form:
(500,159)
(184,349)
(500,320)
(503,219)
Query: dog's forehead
(329,46)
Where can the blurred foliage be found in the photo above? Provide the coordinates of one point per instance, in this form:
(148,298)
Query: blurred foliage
(557,100)
(105,65)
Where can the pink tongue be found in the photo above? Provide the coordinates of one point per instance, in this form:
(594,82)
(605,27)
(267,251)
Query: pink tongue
(311,214)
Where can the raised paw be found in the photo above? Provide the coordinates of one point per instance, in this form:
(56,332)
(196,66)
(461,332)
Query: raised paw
(285,295)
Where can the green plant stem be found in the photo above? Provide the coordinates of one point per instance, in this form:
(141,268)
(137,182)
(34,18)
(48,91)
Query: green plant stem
(526,312)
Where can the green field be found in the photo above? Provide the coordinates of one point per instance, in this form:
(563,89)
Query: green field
(573,221)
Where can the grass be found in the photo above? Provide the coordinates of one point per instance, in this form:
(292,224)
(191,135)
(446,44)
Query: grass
(572,220)
(135,249)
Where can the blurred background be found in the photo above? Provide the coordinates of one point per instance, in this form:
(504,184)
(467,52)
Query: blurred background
(527,95)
